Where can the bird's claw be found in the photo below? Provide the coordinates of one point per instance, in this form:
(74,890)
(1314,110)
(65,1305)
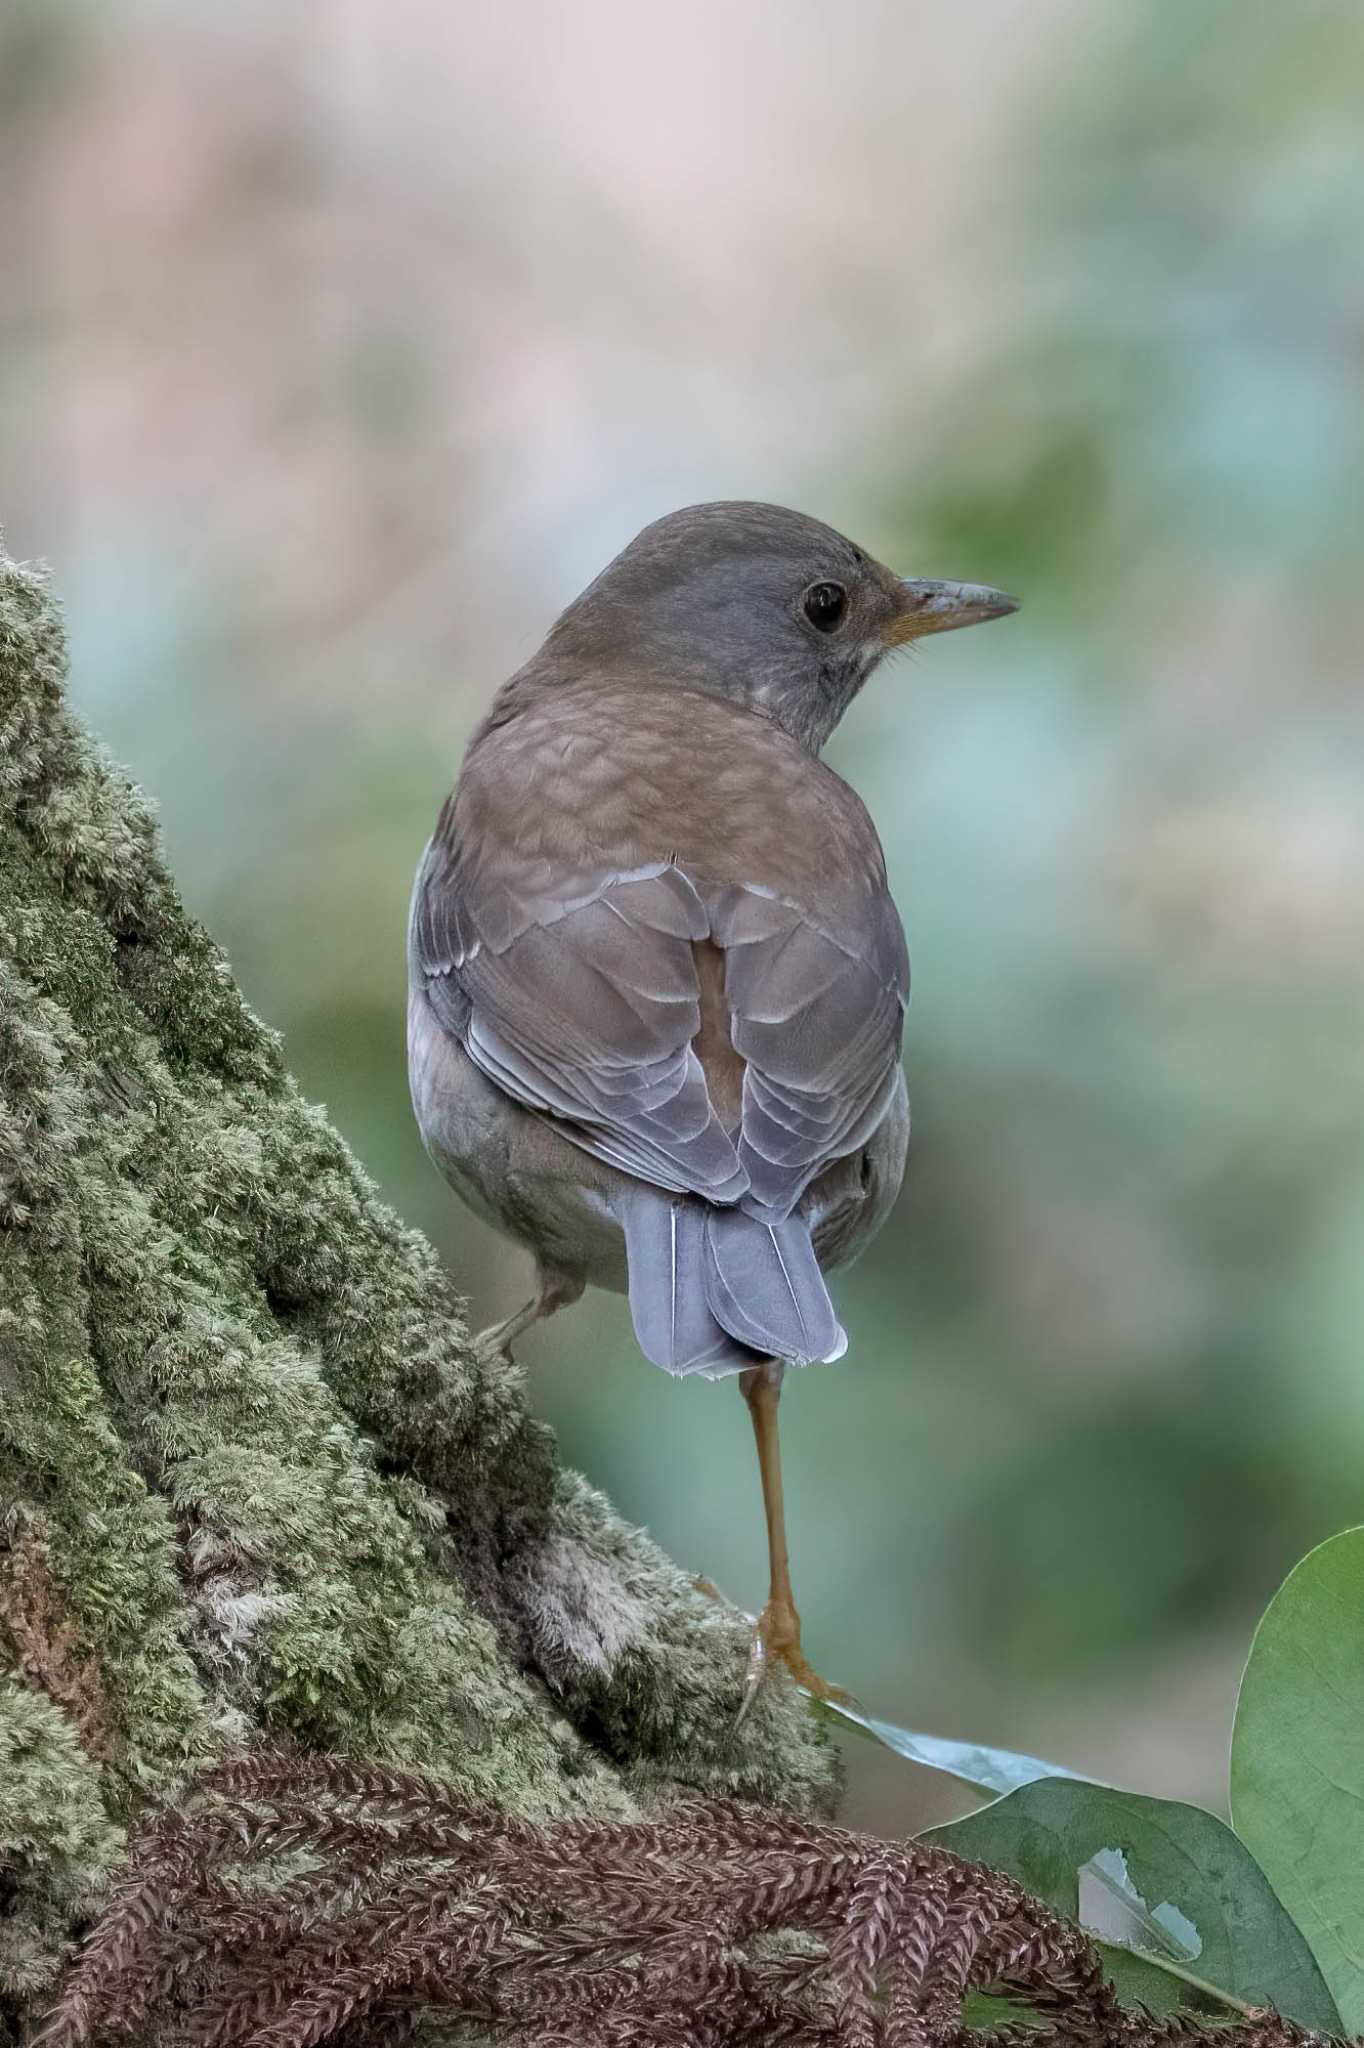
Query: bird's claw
(491,1348)
(776,1640)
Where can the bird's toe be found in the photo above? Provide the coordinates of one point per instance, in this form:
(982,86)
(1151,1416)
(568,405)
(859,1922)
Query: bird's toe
(775,1643)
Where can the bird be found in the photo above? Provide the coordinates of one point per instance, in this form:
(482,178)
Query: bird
(656,979)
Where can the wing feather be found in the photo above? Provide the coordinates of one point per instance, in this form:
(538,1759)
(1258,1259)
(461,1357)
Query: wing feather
(817,1016)
(586,1013)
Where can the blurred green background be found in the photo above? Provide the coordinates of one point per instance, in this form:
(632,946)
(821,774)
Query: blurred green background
(341,342)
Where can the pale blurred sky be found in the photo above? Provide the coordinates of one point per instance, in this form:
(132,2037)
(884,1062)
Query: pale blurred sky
(584,262)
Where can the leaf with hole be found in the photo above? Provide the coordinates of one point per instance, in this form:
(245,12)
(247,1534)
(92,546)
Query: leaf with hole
(1163,1881)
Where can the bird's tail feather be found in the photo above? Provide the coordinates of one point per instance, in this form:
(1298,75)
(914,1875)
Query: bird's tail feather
(713,1290)
(764,1286)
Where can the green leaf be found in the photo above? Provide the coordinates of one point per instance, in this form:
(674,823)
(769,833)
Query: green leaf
(1155,1987)
(984,2013)
(988,1770)
(1297,1758)
(1166,1882)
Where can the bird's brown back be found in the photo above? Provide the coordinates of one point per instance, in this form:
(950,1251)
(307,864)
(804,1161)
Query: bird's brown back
(713,1044)
(612,774)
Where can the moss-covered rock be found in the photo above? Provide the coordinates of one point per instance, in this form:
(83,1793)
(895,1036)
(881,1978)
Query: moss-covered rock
(255,1484)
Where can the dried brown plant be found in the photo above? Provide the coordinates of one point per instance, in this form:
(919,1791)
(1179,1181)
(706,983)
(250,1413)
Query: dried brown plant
(45,1638)
(289,1901)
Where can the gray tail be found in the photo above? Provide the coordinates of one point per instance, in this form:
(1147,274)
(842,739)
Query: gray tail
(713,1290)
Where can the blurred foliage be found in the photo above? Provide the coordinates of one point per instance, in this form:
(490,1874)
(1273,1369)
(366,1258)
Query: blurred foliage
(346,353)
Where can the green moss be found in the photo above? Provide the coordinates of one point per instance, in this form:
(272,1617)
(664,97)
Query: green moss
(279,1491)
(58,1847)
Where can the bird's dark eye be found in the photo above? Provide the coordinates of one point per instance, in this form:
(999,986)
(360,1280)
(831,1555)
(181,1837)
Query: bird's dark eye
(825,604)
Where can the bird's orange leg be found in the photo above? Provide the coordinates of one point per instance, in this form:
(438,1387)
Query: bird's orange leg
(776,1636)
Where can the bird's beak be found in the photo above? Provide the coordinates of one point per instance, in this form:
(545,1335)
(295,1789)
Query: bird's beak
(940,607)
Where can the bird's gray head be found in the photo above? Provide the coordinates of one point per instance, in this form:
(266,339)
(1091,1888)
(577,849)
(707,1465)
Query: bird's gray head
(759,604)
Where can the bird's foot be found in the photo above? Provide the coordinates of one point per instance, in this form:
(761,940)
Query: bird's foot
(556,1290)
(776,1640)
(493,1346)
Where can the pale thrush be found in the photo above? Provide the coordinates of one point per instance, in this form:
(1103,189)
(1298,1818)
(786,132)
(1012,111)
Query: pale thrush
(657,981)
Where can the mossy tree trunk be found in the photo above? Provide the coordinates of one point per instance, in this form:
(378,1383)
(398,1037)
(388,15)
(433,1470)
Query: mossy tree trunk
(255,1485)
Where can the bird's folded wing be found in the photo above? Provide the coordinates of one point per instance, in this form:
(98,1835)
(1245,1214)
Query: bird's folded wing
(817,1012)
(585,1009)
(583,1003)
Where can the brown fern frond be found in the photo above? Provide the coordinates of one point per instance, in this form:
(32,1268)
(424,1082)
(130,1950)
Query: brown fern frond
(292,1900)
